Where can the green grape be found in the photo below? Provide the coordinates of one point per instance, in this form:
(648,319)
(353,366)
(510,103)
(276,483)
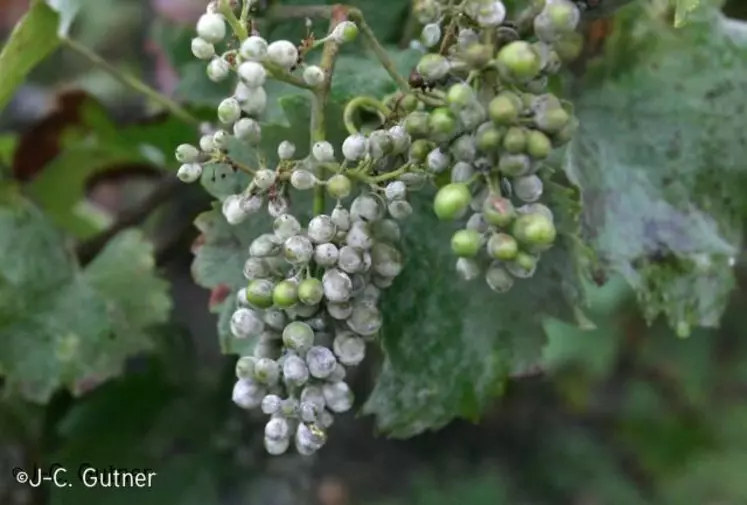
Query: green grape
(534,230)
(442,123)
(285,294)
(499,279)
(520,61)
(503,247)
(498,211)
(538,145)
(259,293)
(466,243)
(339,186)
(515,140)
(452,201)
(310,291)
(504,108)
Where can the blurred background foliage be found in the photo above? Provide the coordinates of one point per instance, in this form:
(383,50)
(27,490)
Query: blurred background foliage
(625,413)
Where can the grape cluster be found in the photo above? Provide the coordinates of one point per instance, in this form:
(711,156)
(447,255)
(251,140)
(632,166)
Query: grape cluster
(478,113)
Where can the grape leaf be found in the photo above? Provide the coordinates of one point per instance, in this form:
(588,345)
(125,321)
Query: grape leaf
(663,184)
(33,39)
(68,10)
(355,75)
(683,9)
(450,345)
(60,326)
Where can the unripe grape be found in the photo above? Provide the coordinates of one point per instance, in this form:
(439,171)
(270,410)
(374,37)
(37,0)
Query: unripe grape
(569,46)
(442,123)
(419,150)
(460,95)
(313,395)
(245,323)
(266,371)
(524,266)
(467,269)
(245,367)
(566,133)
(472,116)
(323,151)
(515,140)
(359,235)
(313,75)
(271,404)
(552,120)
(337,285)
(254,48)
(543,28)
(430,35)
(437,161)
(466,243)
(285,294)
(417,124)
(206,143)
(321,229)
(264,178)
(451,201)
(464,148)
(498,279)
(202,49)
(310,291)
(321,362)
(189,172)
(259,293)
(528,188)
(218,69)
(255,102)
(253,74)
(400,138)
(462,172)
(355,147)
(514,165)
(248,394)
(276,447)
(366,319)
(248,130)
(346,31)
(534,230)
(286,150)
(520,61)
(537,208)
(338,397)
(563,15)
(326,255)
(283,53)
(498,211)
(504,108)
(298,336)
(286,226)
(295,371)
(365,207)
(489,139)
(211,28)
(433,67)
(298,250)
(232,210)
(266,349)
(503,247)
(539,145)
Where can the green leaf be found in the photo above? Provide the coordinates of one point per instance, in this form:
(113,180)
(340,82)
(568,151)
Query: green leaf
(68,10)
(356,75)
(450,345)
(664,182)
(60,326)
(33,39)
(683,10)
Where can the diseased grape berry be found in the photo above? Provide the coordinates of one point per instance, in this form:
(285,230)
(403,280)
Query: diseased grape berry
(452,201)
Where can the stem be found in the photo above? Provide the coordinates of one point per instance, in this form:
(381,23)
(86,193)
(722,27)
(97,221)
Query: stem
(131,81)
(384,177)
(224,7)
(245,4)
(361,102)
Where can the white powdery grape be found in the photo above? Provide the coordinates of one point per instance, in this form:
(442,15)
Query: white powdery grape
(437,161)
(266,371)
(355,147)
(264,178)
(245,323)
(263,246)
(295,371)
(206,143)
(467,269)
(232,210)
(387,230)
(491,14)
(321,229)
(252,74)
(359,235)
(277,429)
(202,49)
(298,336)
(220,139)
(467,37)
(278,206)
(218,69)
(464,148)
(229,111)
(386,260)
(189,172)
(498,279)
(365,207)
(321,362)
(255,102)
(308,412)
(528,188)
(396,190)
(462,172)
(250,203)
(211,28)
(536,208)
(338,397)
(275,319)
(400,138)
(477,223)
(339,310)
(286,226)
(248,394)
(313,395)
(366,318)
(283,53)
(325,255)
(298,250)
(286,150)
(326,419)
(253,48)
(276,447)
(338,375)
(399,209)
(380,144)
(248,130)
(309,439)
(519,271)
(255,268)
(323,151)
(349,348)
(430,35)
(313,75)
(341,218)
(337,285)
(346,31)
(245,367)
(350,260)
(302,179)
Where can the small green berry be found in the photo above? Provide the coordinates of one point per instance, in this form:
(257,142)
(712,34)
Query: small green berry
(442,123)
(310,291)
(339,186)
(417,124)
(514,165)
(553,120)
(539,145)
(419,150)
(503,247)
(259,293)
(433,67)
(489,139)
(498,211)
(186,153)
(520,61)
(515,141)
(534,230)
(460,95)
(569,46)
(504,108)
(466,243)
(285,294)
(523,266)
(452,201)
(477,56)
